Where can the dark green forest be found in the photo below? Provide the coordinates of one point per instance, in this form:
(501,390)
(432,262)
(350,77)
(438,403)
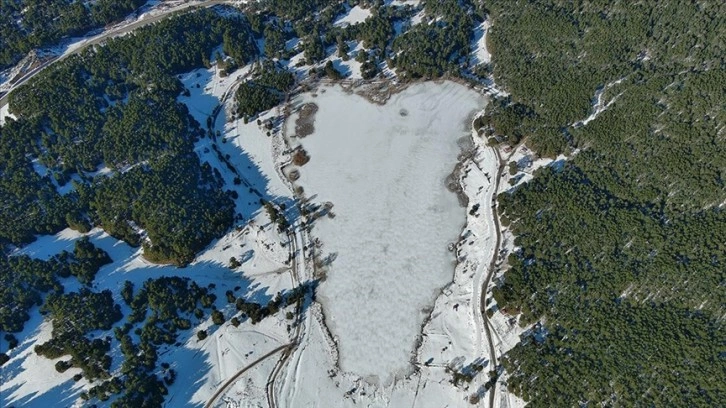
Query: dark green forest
(622,250)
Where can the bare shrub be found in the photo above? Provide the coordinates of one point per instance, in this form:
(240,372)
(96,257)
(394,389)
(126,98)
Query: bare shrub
(300,157)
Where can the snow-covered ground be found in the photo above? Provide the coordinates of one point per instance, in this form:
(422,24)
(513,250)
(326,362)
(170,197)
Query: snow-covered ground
(384,168)
(251,151)
(350,69)
(527,164)
(418,18)
(598,105)
(4,114)
(249,389)
(400,3)
(480,54)
(28,379)
(353,16)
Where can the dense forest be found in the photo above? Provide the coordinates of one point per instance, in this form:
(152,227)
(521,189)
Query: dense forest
(30,24)
(621,251)
(265,90)
(430,50)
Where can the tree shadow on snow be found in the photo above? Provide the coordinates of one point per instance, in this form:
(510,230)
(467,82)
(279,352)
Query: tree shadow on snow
(61,395)
(344,70)
(242,176)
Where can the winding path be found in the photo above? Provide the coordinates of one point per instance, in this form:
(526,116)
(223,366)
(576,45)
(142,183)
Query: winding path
(488,327)
(297,271)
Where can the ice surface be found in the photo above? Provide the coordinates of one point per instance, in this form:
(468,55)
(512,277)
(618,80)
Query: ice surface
(384,170)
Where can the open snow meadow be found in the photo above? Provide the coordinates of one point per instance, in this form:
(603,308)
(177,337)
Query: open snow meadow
(384,169)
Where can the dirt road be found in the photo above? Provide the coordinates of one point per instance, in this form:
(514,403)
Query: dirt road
(490,273)
(234,378)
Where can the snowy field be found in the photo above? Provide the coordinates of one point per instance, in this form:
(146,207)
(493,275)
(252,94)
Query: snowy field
(480,54)
(353,16)
(383,167)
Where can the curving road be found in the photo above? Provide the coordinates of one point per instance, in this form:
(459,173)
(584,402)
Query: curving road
(297,271)
(490,273)
(488,327)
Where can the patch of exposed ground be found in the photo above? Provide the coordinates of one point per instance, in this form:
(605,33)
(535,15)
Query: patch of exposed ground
(305,122)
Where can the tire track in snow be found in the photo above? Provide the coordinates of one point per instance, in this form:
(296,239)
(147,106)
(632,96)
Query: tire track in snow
(234,378)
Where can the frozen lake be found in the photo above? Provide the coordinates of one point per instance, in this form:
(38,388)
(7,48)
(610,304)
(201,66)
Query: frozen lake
(384,168)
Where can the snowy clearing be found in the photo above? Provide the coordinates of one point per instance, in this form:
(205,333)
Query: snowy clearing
(527,164)
(480,54)
(418,18)
(383,168)
(354,16)
(5,113)
(400,3)
(598,105)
